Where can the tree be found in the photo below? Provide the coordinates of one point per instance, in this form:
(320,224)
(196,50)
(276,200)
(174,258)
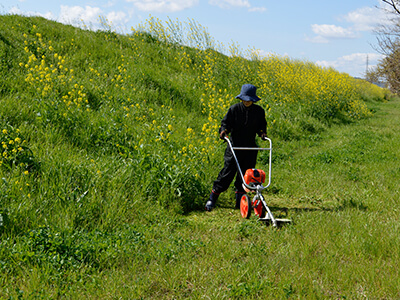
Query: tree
(388,37)
(389,68)
(395,4)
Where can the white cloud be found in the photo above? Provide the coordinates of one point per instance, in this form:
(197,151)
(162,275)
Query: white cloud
(354,64)
(110,3)
(364,19)
(91,16)
(75,15)
(117,17)
(317,39)
(325,33)
(332,31)
(163,6)
(79,16)
(257,9)
(226,4)
(230,3)
(266,54)
(17,11)
(367,18)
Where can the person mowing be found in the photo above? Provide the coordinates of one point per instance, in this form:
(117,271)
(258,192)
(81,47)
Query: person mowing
(243,121)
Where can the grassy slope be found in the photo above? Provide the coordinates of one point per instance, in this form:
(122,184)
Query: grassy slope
(340,187)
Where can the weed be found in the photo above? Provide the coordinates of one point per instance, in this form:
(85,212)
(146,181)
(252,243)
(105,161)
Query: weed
(15,151)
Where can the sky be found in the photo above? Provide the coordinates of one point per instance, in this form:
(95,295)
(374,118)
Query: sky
(338,34)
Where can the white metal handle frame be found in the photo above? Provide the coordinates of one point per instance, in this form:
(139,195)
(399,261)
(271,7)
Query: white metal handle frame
(258,187)
(269,215)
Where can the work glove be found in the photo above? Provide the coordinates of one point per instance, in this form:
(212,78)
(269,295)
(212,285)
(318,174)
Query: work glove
(263,136)
(222,134)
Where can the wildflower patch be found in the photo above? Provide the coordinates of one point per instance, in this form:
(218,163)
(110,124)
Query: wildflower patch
(14,150)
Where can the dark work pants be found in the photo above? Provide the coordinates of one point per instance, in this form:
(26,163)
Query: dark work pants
(247,160)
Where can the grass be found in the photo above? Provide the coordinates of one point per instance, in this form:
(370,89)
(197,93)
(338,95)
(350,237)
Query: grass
(108,167)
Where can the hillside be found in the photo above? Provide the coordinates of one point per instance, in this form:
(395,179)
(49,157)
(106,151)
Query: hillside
(109,149)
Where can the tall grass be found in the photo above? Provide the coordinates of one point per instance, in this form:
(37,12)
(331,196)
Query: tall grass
(109,148)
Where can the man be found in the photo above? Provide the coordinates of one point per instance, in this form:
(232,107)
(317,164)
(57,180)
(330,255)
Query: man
(243,121)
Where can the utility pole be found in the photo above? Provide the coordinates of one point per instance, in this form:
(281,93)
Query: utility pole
(367,77)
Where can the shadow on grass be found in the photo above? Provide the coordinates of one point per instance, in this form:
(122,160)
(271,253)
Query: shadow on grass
(287,212)
(343,205)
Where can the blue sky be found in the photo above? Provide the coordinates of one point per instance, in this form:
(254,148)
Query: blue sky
(330,33)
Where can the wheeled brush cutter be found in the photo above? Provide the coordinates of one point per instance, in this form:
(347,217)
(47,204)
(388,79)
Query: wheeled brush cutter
(253,181)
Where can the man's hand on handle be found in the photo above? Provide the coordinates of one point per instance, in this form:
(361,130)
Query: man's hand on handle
(264,136)
(223,134)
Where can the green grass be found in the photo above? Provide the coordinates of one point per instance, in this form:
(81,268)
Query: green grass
(108,201)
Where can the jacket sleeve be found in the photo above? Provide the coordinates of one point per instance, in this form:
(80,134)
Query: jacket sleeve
(227,122)
(262,124)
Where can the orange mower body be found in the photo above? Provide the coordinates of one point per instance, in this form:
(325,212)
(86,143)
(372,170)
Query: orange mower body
(254,177)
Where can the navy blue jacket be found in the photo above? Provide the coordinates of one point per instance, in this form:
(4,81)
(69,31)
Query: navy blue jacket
(244,123)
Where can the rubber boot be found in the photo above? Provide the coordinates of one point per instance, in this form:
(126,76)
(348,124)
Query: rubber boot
(238,196)
(210,204)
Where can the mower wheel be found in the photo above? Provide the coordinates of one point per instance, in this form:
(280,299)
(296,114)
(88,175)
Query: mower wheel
(245,206)
(259,209)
